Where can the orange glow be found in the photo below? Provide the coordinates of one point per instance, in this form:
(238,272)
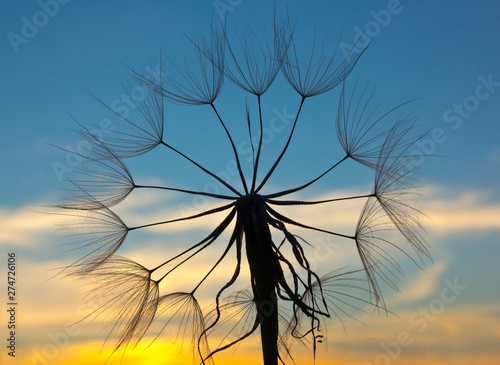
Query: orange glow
(165,353)
(159,353)
(462,331)
(452,337)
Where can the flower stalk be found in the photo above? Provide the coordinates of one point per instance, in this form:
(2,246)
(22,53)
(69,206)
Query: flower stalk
(286,299)
(263,265)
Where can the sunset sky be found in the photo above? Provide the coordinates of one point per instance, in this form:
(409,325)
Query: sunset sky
(58,57)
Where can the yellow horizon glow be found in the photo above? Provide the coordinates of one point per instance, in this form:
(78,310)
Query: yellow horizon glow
(165,353)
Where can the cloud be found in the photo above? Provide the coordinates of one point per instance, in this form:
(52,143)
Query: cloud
(453,212)
(449,211)
(22,227)
(475,326)
(148,206)
(421,286)
(457,334)
(67,352)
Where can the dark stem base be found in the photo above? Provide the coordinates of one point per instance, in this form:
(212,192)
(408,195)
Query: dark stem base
(262,261)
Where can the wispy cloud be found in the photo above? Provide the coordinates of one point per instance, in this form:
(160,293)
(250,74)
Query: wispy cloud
(450,211)
(421,286)
(454,211)
(459,335)
(23,226)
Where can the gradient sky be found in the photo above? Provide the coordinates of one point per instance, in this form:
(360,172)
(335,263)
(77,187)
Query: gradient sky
(444,54)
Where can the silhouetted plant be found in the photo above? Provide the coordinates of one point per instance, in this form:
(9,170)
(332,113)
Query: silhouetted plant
(286,299)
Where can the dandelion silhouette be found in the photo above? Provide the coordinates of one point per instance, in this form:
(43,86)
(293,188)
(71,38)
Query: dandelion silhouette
(286,299)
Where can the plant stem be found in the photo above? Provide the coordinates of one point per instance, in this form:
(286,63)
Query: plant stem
(202,168)
(243,181)
(289,191)
(259,149)
(284,148)
(262,261)
(218,196)
(303,202)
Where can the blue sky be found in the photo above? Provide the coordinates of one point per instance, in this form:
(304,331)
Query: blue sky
(444,54)
(420,53)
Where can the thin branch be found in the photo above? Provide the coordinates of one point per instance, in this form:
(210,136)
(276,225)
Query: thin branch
(289,191)
(205,213)
(233,239)
(290,221)
(234,149)
(259,149)
(203,169)
(284,149)
(304,202)
(218,196)
(210,238)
